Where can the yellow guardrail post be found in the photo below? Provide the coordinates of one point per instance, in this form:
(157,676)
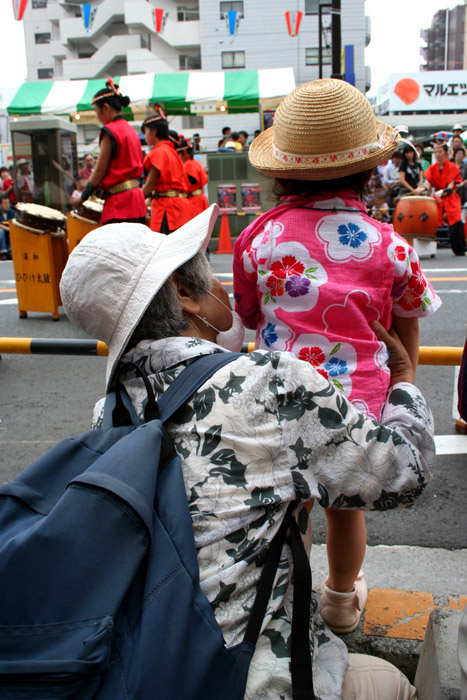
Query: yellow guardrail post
(429,355)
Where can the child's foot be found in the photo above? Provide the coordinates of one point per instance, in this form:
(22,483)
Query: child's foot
(342,611)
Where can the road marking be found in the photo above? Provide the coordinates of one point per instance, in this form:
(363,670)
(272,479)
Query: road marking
(441,279)
(223,274)
(451,291)
(7,302)
(451,444)
(444,269)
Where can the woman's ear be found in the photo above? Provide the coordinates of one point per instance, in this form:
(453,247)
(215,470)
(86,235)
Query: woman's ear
(186,300)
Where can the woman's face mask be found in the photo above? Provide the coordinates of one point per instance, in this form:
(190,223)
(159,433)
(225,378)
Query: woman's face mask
(231,339)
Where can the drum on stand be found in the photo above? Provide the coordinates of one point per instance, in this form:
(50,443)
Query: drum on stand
(416,219)
(40,252)
(82,221)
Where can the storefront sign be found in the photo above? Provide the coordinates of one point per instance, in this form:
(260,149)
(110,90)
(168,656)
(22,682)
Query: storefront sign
(425,91)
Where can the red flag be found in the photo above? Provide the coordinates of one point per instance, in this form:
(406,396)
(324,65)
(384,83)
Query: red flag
(293,20)
(159,15)
(19,7)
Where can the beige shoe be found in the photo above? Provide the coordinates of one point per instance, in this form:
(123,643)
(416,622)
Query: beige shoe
(342,611)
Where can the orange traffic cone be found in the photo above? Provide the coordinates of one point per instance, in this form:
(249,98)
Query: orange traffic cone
(225,241)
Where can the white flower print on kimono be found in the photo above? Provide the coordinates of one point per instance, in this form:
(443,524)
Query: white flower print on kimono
(262,245)
(334,361)
(346,238)
(291,278)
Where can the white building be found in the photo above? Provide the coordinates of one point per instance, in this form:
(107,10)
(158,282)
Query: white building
(122,41)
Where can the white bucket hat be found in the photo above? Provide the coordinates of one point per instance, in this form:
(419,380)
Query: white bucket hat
(114,273)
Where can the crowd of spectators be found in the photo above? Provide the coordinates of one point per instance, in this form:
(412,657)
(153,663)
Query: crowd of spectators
(403,174)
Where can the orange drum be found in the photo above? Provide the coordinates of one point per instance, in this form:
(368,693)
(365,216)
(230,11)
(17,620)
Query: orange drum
(81,222)
(416,217)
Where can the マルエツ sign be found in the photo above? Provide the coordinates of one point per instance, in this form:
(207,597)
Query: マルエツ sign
(426,91)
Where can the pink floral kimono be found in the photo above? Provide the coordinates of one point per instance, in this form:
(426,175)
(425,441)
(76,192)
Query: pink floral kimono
(311,274)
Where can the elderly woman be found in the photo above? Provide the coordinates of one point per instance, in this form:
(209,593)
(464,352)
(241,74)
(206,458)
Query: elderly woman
(264,431)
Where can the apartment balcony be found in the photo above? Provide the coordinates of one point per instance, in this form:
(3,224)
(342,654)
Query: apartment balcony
(56,49)
(72,28)
(114,49)
(367,30)
(139,18)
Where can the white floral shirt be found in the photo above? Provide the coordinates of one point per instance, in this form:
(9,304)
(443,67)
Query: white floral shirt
(265,430)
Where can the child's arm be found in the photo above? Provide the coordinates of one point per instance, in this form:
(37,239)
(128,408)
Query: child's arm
(408,331)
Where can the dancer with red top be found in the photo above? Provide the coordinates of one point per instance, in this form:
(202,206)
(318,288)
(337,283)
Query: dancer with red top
(197,178)
(444,176)
(120,162)
(166,181)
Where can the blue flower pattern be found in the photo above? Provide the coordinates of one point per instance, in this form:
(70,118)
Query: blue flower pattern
(269,334)
(335,367)
(351,234)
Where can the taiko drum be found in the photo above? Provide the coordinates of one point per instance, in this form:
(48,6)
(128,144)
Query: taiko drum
(416,217)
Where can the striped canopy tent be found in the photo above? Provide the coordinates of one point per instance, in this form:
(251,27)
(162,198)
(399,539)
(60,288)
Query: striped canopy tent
(240,90)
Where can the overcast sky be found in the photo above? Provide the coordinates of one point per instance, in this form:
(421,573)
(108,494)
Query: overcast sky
(394,48)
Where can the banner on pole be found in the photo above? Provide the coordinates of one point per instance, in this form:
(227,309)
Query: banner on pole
(293,19)
(19,7)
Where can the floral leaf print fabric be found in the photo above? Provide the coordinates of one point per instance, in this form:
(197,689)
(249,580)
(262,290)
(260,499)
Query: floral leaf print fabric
(265,430)
(334,361)
(288,281)
(345,237)
(364,272)
(413,294)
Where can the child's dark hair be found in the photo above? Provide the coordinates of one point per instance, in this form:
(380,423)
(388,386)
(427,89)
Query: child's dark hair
(110,95)
(186,146)
(157,124)
(357,182)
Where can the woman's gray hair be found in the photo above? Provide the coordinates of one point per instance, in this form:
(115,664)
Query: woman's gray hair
(164,316)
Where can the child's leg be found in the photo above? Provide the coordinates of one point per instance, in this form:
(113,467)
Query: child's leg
(343,595)
(346,543)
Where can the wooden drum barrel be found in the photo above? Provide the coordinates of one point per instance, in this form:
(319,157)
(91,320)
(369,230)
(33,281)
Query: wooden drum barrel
(416,217)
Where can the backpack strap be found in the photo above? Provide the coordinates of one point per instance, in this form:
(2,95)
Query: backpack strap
(188,381)
(300,661)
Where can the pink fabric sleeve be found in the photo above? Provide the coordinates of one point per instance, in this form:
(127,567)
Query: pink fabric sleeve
(244,282)
(413,296)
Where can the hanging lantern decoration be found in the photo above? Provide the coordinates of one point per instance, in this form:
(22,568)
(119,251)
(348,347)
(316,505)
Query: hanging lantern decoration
(160,18)
(293,19)
(19,7)
(232,22)
(87,16)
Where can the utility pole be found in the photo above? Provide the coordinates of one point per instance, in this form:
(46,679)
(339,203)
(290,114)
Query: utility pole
(336,39)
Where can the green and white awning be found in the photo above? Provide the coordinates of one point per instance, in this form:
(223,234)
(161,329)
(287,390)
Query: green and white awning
(241,90)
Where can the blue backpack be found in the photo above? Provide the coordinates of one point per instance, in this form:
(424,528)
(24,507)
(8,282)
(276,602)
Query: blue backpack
(99,578)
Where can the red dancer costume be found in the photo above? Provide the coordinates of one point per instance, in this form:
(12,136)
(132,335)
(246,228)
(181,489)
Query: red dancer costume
(440,179)
(125,169)
(170,191)
(197,179)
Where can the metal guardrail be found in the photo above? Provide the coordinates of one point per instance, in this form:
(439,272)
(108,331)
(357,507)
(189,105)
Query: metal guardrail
(429,355)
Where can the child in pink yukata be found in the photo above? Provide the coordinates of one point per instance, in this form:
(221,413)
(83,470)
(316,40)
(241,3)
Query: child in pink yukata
(312,274)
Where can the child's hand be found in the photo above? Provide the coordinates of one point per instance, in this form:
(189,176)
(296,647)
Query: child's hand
(399,361)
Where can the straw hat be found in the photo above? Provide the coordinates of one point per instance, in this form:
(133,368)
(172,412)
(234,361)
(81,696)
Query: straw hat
(323,129)
(112,276)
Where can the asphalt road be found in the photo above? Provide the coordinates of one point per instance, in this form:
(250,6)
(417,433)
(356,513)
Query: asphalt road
(45,398)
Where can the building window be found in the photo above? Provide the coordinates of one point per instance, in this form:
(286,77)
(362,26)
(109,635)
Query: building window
(43,38)
(311,6)
(192,121)
(189,62)
(38,4)
(233,59)
(86,53)
(226,7)
(312,56)
(45,73)
(187,14)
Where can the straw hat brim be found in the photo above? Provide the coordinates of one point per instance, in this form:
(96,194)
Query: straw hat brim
(262,158)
